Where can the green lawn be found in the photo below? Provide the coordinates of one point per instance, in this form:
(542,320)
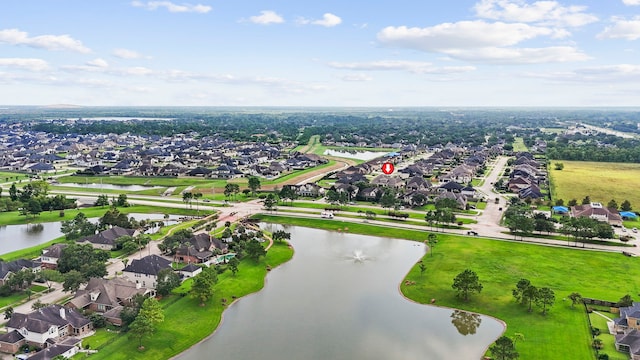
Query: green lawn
(563,333)
(518,145)
(6,176)
(14,217)
(608,339)
(601,181)
(186,322)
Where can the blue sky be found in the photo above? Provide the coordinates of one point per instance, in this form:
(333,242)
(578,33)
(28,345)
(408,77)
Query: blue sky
(320,53)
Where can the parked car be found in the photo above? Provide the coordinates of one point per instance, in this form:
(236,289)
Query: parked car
(635,230)
(473,233)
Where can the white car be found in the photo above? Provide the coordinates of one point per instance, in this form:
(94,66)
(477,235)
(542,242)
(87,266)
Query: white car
(635,230)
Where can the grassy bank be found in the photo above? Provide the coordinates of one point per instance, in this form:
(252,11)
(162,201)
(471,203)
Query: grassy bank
(14,217)
(186,323)
(600,181)
(561,334)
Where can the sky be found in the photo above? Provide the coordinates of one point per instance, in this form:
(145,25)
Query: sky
(338,53)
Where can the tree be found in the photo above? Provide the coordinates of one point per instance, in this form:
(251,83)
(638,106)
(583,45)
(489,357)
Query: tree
(612,204)
(466,282)
(504,349)
(38,304)
(187,196)
(167,281)
(288,192)
(85,259)
(422,267)
(228,190)
(559,166)
(388,199)
(202,286)
(625,206)
(254,184)
(270,202)
(72,281)
(13,192)
(122,201)
(140,328)
(280,235)
(546,297)
(103,200)
(8,312)
(255,250)
(233,265)
(575,298)
(34,207)
(625,301)
(78,227)
(525,292)
(572,202)
(586,200)
(432,240)
(152,310)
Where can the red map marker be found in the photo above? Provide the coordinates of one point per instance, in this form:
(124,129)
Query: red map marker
(387,168)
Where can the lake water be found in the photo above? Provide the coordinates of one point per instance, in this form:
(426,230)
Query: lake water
(338,298)
(108,186)
(358,155)
(16,237)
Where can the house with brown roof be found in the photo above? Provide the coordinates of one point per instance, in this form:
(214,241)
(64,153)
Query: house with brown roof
(50,256)
(106,296)
(598,212)
(41,327)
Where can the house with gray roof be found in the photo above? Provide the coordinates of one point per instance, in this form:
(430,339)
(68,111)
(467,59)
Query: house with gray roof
(12,267)
(106,240)
(627,328)
(145,271)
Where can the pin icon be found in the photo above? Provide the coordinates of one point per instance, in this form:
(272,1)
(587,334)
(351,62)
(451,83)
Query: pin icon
(387,168)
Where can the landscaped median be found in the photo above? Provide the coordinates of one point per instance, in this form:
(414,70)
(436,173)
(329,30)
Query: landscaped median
(561,334)
(186,322)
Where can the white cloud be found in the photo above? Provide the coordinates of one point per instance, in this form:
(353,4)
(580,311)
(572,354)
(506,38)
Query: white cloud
(622,29)
(171,7)
(631,2)
(101,63)
(267,17)
(49,42)
(520,55)
(463,34)
(595,74)
(543,12)
(358,77)
(127,54)
(328,20)
(25,64)
(410,66)
(482,41)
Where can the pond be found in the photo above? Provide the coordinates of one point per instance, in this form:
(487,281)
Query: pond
(108,186)
(17,237)
(338,298)
(358,155)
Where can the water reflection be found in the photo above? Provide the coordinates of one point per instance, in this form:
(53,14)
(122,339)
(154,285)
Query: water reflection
(34,229)
(326,303)
(465,322)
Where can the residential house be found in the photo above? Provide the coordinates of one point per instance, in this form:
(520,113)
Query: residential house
(12,267)
(190,270)
(530,192)
(52,322)
(463,174)
(388,181)
(460,199)
(627,328)
(104,295)
(309,190)
(598,212)
(145,271)
(106,240)
(67,348)
(50,256)
(417,183)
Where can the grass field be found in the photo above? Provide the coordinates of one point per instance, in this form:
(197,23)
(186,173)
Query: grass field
(601,181)
(563,333)
(186,322)
(518,145)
